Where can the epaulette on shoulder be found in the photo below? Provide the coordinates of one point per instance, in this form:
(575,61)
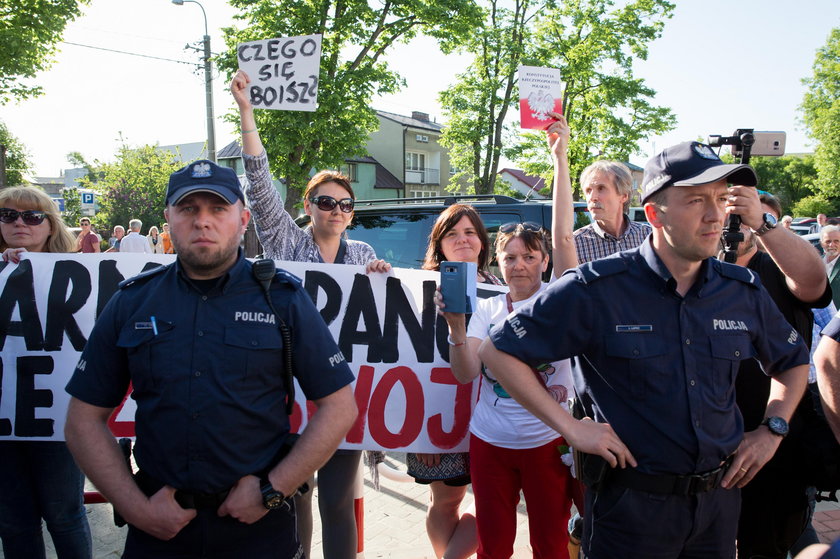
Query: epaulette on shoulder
(284,277)
(597,269)
(740,273)
(142,277)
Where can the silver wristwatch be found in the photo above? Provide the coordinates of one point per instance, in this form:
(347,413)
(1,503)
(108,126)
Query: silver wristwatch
(769,223)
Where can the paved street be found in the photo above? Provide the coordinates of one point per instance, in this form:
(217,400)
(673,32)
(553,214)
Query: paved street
(394,523)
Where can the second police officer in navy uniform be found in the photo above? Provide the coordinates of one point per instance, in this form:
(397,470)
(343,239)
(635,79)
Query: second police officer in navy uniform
(201,345)
(657,334)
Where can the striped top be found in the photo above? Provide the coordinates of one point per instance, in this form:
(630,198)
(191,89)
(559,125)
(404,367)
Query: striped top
(280,236)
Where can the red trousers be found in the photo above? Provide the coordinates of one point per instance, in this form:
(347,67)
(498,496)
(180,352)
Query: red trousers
(498,474)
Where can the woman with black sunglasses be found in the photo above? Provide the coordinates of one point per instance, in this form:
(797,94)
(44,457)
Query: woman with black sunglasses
(511,450)
(328,200)
(38,479)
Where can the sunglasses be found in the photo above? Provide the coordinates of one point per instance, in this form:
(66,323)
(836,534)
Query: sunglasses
(525,225)
(30,217)
(328,203)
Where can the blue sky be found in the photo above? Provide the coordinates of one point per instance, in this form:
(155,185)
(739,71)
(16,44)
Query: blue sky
(720,65)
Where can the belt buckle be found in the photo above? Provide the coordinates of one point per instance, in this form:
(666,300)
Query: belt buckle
(683,485)
(708,481)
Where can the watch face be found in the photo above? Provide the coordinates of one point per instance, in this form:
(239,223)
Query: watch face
(770,219)
(777,425)
(273,501)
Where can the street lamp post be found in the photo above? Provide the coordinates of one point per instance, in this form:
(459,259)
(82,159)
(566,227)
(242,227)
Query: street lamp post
(208,84)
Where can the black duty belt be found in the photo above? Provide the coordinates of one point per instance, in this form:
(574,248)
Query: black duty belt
(200,500)
(669,484)
(186,499)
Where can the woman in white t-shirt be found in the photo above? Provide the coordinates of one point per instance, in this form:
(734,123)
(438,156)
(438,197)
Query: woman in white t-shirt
(511,449)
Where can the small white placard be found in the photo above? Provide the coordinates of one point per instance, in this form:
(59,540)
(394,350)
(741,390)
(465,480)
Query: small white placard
(283,72)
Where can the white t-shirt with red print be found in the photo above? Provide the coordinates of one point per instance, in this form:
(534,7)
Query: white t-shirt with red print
(498,419)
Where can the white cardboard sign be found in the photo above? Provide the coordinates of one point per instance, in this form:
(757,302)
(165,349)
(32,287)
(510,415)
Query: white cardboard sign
(283,72)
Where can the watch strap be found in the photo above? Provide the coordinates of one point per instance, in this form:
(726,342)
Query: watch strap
(270,494)
(765,227)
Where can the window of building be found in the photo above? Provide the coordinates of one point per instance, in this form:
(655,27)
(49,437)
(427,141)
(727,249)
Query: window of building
(422,193)
(351,170)
(415,161)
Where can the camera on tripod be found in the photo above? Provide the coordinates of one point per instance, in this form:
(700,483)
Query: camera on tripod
(759,143)
(745,142)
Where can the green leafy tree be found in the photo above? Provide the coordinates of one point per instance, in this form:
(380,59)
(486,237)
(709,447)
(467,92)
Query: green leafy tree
(72,205)
(356,36)
(133,186)
(29,31)
(17,158)
(477,105)
(790,177)
(608,108)
(77,159)
(821,113)
(811,206)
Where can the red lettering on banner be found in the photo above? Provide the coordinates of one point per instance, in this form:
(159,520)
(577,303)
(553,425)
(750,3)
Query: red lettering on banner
(121,428)
(295,418)
(414,409)
(364,384)
(463,409)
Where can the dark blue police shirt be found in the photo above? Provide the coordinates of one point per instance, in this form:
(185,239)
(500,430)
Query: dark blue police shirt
(660,368)
(209,384)
(832,329)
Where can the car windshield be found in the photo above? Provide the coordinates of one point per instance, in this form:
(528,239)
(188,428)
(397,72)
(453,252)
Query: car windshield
(398,238)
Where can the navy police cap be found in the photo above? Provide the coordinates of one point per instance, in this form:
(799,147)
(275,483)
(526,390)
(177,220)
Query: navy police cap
(691,164)
(204,176)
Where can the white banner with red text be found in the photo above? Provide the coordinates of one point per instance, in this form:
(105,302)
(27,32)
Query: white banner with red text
(385,325)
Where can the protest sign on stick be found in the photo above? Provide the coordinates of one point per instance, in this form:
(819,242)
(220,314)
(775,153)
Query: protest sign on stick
(540,93)
(283,72)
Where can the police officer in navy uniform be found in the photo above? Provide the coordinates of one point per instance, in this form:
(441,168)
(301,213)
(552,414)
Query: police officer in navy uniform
(203,351)
(657,334)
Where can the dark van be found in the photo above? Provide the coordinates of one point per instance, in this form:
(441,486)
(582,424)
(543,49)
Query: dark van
(398,228)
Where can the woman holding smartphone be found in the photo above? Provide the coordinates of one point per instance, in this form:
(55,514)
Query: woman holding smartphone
(511,450)
(458,235)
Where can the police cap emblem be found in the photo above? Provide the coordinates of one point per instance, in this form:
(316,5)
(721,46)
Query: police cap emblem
(705,152)
(201,171)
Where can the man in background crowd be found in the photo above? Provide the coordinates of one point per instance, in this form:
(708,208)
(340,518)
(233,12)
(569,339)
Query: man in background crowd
(134,241)
(774,505)
(830,241)
(87,241)
(822,221)
(608,187)
(116,238)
